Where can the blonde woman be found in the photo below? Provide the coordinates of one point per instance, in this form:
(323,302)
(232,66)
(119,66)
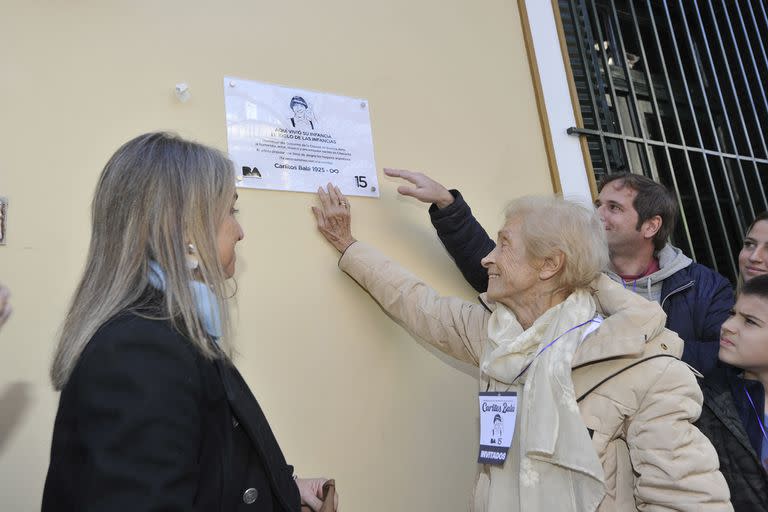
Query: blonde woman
(153,415)
(600,406)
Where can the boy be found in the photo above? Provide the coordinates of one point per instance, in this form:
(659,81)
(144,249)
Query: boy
(734,412)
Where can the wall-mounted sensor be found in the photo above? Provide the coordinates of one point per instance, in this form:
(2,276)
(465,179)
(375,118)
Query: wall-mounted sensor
(182,92)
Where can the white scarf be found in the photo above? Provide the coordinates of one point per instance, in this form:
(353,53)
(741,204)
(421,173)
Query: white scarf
(552,464)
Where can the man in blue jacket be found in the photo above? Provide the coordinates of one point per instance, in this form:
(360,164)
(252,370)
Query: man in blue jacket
(639,216)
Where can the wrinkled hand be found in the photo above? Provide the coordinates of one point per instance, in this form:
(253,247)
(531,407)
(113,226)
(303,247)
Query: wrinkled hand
(5,304)
(334,219)
(425,189)
(311,492)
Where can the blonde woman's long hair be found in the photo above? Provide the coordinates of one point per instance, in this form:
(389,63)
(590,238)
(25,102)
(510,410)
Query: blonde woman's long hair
(156,195)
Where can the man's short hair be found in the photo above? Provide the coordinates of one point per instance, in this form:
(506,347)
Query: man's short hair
(652,199)
(757,287)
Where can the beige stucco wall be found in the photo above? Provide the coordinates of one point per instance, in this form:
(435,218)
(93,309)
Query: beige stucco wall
(348,393)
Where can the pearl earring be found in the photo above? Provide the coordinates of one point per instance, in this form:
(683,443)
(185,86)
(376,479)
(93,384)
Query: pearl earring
(192,261)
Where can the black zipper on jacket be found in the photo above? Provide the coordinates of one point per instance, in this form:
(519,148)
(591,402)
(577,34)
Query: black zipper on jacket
(582,365)
(617,373)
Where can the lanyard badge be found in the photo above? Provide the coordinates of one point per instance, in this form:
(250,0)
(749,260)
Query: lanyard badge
(498,411)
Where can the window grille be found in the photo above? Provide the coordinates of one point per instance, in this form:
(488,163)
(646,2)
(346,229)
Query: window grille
(675,90)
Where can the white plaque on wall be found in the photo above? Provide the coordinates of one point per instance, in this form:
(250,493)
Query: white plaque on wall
(283,138)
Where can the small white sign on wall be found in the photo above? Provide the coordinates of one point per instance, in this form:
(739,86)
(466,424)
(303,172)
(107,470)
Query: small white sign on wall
(283,138)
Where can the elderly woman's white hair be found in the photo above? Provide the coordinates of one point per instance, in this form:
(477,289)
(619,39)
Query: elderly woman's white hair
(552,225)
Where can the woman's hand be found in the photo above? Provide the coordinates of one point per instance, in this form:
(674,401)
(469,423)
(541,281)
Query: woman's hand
(311,492)
(334,219)
(424,188)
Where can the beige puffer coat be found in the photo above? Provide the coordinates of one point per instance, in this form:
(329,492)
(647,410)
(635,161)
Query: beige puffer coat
(640,419)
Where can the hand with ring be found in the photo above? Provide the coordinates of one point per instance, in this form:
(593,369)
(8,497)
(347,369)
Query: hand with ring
(334,219)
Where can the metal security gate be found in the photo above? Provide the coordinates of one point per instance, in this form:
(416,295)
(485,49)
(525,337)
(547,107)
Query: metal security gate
(676,90)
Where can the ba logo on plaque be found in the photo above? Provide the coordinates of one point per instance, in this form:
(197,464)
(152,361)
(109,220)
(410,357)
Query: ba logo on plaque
(251,171)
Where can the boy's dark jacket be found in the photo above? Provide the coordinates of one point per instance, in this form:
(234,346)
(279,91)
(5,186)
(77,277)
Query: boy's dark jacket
(728,420)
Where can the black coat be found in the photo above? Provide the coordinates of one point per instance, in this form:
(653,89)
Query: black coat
(696,299)
(728,420)
(146,423)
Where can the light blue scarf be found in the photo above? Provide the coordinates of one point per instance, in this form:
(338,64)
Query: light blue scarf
(205,301)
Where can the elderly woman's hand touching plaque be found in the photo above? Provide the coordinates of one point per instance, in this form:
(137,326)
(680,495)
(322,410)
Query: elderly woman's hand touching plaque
(334,219)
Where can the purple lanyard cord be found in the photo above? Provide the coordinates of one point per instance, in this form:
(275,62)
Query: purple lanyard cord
(549,345)
(759,421)
(634,284)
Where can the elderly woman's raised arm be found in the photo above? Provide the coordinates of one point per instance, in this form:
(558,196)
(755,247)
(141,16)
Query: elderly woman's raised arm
(452,325)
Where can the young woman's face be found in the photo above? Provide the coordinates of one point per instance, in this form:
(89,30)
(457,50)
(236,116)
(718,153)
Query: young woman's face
(744,336)
(230,232)
(753,258)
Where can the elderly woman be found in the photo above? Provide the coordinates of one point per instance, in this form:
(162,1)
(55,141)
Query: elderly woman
(153,415)
(604,407)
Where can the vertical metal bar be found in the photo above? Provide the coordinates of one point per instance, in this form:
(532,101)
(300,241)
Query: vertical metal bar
(761,46)
(744,77)
(735,93)
(753,61)
(726,117)
(634,108)
(606,67)
(585,61)
(710,117)
(657,112)
(765,16)
(760,37)
(712,188)
(680,133)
